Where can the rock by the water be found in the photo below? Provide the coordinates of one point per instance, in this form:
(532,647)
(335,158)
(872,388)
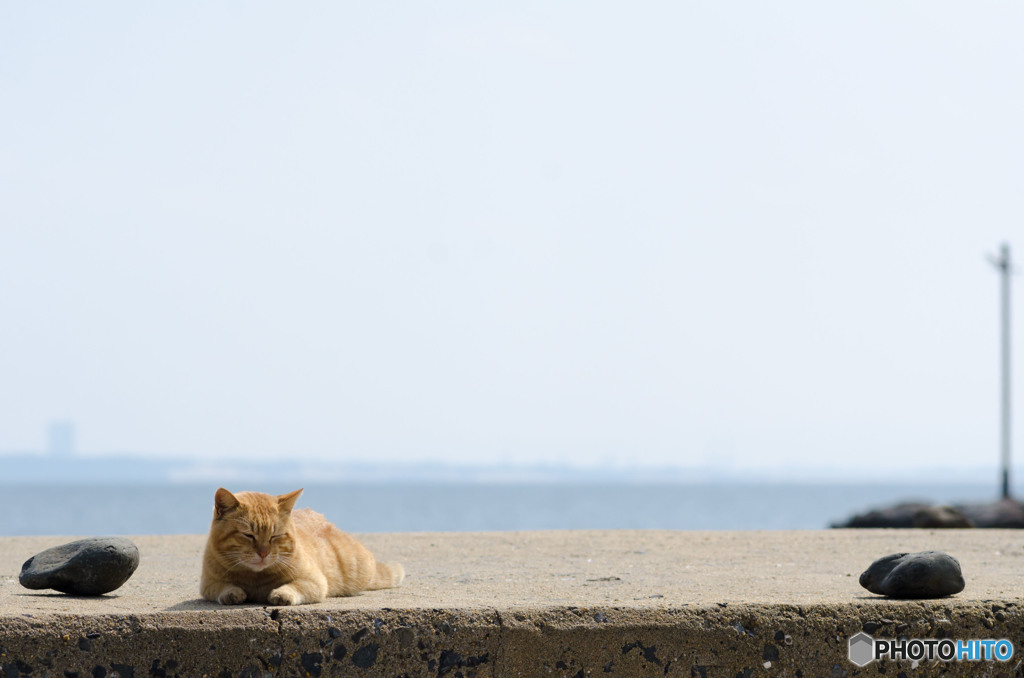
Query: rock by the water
(1002,513)
(941,516)
(87,567)
(900,515)
(929,574)
(1005,513)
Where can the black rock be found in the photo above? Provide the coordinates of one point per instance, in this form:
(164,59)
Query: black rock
(900,515)
(929,574)
(941,517)
(1005,513)
(87,567)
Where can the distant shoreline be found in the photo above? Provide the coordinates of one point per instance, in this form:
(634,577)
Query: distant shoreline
(19,468)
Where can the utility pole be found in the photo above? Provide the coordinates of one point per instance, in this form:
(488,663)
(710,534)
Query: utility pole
(1005,270)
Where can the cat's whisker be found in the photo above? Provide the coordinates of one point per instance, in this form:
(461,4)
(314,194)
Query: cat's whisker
(236,561)
(287,563)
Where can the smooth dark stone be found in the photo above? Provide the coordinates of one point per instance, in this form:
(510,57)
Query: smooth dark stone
(87,567)
(929,574)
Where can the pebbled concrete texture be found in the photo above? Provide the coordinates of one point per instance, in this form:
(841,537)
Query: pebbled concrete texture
(588,603)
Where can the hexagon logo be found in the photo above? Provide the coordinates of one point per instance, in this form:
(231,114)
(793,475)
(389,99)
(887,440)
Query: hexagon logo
(862,649)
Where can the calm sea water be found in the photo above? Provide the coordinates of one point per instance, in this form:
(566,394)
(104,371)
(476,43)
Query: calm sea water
(186,509)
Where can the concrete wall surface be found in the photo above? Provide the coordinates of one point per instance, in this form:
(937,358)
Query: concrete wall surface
(575,604)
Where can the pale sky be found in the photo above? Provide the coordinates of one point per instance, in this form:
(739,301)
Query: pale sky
(730,233)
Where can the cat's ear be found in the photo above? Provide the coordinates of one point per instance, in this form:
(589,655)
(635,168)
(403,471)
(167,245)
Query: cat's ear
(223,501)
(286,502)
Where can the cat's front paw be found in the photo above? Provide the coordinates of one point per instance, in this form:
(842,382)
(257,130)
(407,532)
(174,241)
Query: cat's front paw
(231,595)
(284,595)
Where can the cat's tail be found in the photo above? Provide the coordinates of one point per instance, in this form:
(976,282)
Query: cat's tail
(388,575)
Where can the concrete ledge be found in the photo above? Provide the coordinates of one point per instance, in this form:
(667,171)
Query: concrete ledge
(633,603)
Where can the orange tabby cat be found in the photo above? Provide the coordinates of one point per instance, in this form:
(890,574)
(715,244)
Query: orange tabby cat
(261,551)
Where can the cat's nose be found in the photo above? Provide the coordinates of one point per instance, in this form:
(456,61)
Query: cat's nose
(262,553)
